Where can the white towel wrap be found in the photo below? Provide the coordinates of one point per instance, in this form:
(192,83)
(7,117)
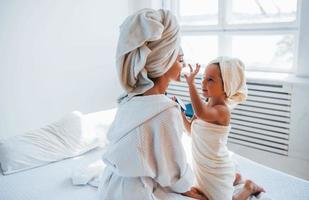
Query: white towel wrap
(148,45)
(214,169)
(234,81)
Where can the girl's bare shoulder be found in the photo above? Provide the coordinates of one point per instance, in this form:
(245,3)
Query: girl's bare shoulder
(224,114)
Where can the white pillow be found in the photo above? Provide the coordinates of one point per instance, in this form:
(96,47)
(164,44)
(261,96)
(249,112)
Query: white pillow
(59,140)
(97,124)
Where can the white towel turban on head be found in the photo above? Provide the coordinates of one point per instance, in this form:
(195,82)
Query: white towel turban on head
(234,81)
(148,45)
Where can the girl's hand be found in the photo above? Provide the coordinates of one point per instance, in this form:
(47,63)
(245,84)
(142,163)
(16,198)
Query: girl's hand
(190,78)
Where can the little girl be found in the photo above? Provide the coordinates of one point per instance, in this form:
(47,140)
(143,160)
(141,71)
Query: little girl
(224,85)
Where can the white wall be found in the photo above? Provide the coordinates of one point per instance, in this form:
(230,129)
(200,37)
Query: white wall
(55,57)
(303,48)
(135,5)
(299,132)
(299,137)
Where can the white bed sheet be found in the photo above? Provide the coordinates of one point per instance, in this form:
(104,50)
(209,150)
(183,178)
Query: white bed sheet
(278,185)
(53,181)
(49,182)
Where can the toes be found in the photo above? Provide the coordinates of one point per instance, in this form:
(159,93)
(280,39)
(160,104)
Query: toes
(253,187)
(248,184)
(237,179)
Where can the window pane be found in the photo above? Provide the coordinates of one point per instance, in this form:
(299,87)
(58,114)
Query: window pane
(199,49)
(265,52)
(262,11)
(198,12)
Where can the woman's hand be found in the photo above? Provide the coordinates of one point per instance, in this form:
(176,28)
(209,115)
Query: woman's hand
(190,78)
(193,118)
(186,122)
(174,98)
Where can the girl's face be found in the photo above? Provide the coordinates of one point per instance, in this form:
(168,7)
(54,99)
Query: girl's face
(212,84)
(174,72)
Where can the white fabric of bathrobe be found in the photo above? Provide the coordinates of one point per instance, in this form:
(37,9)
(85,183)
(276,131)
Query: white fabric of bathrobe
(214,169)
(145,158)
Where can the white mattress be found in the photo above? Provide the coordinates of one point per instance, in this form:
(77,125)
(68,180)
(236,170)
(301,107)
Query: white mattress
(278,185)
(49,182)
(53,181)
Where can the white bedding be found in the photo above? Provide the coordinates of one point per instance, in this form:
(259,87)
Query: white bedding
(53,181)
(49,182)
(278,185)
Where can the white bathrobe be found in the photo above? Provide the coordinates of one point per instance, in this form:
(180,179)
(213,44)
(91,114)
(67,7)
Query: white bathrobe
(145,158)
(214,169)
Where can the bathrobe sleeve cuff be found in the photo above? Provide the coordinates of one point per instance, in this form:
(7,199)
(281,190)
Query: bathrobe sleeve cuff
(185,182)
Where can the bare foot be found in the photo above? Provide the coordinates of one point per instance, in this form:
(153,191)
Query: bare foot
(253,187)
(250,188)
(238,179)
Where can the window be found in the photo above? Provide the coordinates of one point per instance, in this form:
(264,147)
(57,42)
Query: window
(262,33)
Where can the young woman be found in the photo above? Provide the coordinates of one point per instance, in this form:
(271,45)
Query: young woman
(145,159)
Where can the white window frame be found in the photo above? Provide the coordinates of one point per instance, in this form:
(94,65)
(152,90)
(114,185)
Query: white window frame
(223,29)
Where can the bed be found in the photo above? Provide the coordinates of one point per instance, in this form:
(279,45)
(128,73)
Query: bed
(53,181)
(49,182)
(278,185)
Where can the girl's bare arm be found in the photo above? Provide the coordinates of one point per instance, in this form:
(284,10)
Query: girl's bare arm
(200,110)
(186,123)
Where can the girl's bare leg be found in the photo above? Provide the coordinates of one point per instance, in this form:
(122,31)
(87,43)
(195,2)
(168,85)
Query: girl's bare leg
(250,188)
